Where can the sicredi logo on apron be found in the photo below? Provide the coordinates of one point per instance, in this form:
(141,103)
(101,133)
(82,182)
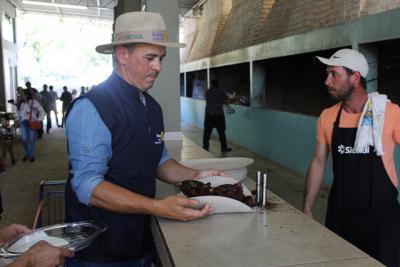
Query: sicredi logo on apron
(342,149)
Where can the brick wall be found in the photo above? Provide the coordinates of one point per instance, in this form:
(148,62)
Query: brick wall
(202,31)
(240,24)
(227,25)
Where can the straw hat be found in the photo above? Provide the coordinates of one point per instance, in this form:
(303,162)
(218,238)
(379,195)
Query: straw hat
(138,27)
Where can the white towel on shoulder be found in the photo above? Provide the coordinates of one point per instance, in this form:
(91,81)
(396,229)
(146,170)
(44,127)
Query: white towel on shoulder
(370,126)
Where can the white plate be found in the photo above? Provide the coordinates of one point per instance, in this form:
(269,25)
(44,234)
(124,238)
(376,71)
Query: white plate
(223,204)
(234,167)
(27,241)
(74,236)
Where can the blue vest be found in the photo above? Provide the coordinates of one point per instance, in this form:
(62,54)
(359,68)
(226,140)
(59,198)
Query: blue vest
(137,144)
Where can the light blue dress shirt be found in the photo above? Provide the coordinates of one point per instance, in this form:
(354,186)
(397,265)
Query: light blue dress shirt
(89,148)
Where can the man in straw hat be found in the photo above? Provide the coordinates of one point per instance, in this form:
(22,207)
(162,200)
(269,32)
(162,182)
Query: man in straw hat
(361,131)
(116,149)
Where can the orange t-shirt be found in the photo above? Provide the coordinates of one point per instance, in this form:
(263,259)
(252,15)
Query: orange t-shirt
(391,131)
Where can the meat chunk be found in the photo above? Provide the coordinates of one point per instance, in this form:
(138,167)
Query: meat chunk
(234,191)
(193,188)
(249,201)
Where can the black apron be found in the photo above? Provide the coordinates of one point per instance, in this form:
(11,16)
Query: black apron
(362,204)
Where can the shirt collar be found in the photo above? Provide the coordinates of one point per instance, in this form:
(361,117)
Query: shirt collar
(127,88)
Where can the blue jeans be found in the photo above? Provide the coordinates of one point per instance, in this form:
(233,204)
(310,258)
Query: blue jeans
(134,263)
(28,139)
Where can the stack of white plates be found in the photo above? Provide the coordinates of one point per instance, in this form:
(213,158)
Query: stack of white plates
(234,167)
(223,204)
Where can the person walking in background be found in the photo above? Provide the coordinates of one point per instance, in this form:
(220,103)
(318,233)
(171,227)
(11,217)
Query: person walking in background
(28,85)
(74,94)
(29,113)
(83,91)
(66,98)
(361,131)
(53,104)
(42,102)
(214,115)
(47,98)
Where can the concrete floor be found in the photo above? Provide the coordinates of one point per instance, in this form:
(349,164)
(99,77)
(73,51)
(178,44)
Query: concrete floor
(20,183)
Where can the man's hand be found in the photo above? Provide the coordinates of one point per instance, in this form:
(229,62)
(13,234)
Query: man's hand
(206,173)
(11,231)
(42,254)
(173,172)
(180,208)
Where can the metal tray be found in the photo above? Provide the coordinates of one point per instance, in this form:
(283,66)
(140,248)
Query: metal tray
(78,234)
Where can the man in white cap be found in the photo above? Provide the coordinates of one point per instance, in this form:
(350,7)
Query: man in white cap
(361,131)
(116,149)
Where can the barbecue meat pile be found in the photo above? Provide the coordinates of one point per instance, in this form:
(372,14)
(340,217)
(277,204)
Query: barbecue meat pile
(234,191)
(193,188)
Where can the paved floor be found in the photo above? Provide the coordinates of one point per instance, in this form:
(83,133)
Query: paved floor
(20,183)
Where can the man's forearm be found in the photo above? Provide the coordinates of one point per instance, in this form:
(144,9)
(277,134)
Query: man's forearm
(313,183)
(118,199)
(173,172)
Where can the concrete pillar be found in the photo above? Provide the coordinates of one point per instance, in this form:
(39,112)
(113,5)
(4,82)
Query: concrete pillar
(257,84)
(166,87)
(125,6)
(370,51)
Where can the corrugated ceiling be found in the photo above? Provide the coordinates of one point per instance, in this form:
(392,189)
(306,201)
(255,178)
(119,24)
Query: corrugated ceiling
(92,8)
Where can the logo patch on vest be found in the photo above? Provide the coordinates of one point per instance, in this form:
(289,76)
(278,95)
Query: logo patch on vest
(159,138)
(85,149)
(342,149)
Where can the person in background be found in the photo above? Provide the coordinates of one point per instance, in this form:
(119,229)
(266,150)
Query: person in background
(7,133)
(66,98)
(214,115)
(42,254)
(42,102)
(46,103)
(74,94)
(116,149)
(361,131)
(82,91)
(30,109)
(53,104)
(28,85)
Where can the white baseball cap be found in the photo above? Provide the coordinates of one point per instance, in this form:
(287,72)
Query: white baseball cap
(348,58)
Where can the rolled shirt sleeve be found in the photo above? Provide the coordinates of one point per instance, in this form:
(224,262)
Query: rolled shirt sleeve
(89,148)
(164,156)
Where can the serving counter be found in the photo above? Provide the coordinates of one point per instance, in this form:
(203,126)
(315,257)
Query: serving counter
(279,236)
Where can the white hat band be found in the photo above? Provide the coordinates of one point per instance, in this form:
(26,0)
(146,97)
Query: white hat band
(143,35)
